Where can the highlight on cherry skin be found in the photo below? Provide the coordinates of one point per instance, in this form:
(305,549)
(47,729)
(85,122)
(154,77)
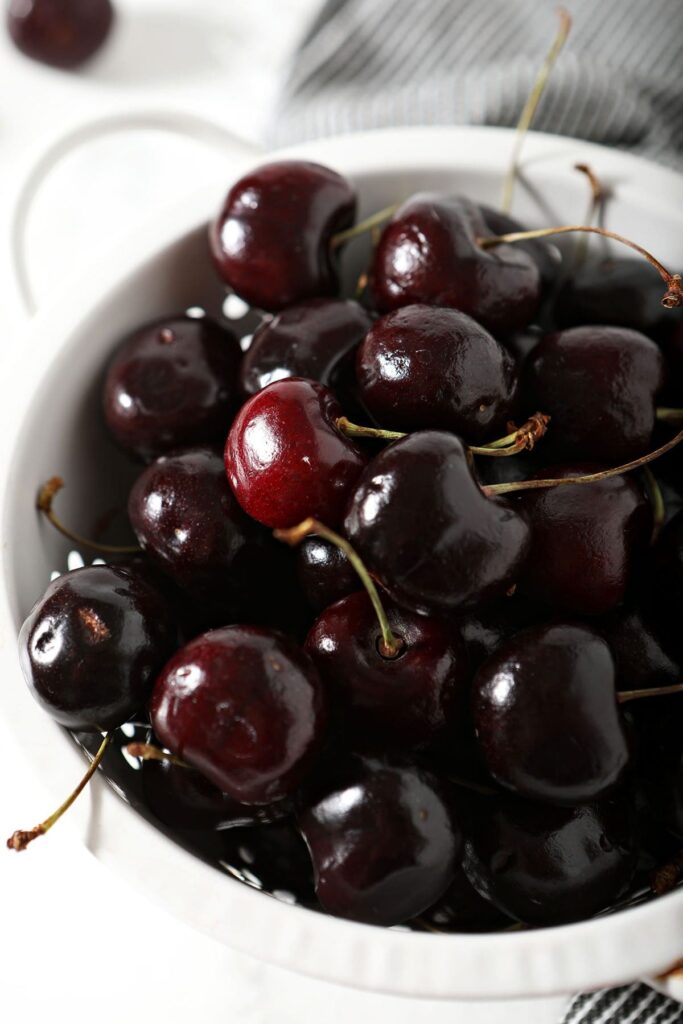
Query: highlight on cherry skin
(393,580)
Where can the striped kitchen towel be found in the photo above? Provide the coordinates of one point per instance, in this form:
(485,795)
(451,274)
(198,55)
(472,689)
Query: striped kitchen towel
(375,63)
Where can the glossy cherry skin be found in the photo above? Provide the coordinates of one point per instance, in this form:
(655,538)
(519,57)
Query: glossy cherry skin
(428,253)
(92,645)
(620,292)
(172,383)
(551,865)
(424,367)
(189,524)
(558,682)
(463,909)
(285,457)
(316,339)
(62,33)
(598,385)
(382,839)
(422,524)
(325,573)
(403,702)
(182,797)
(244,706)
(585,539)
(271,241)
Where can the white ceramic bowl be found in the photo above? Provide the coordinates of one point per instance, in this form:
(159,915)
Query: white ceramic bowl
(50,425)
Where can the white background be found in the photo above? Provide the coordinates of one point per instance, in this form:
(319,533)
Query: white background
(75,942)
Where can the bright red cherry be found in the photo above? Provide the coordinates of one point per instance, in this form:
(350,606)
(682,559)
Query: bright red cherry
(271,241)
(244,706)
(287,460)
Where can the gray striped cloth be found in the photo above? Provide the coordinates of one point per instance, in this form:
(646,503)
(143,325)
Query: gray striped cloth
(377,63)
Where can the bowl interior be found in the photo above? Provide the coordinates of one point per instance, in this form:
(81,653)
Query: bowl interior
(59,429)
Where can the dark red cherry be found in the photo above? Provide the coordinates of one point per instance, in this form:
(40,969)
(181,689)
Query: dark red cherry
(92,645)
(172,383)
(546,715)
(405,701)
(244,706)
(285,457)
(189,524)
(422,367)
(615,291)
(550,865)
(182,797)
(428,253)
(585,540)
(640,658)
(521,343)
(325,573)
(271,241)
(382,839)
(422,524)
(62,33)
(463,909)
(545,255)
(598,385)
(316,339)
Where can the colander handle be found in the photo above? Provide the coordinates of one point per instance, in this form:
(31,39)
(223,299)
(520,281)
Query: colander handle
(191,125)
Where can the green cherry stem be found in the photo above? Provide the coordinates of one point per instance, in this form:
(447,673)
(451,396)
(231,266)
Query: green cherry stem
(589,478)
(653,691)
(19,840)
(363,226)
(531,105)
(390,645)
(669,415)
(672,298)
(520,439)
(147,752)
(44,501)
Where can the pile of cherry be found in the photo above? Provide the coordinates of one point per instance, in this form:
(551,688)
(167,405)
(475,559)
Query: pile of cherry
(439,676)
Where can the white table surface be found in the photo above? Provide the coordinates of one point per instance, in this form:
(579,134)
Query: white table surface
(75,940)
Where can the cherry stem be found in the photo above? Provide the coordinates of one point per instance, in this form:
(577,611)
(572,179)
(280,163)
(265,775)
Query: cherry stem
(531,105)
(653,691)
(363,226)
(672,298)
(147,752)
(589,478)
(598,194)
(46,496)
(521,438)
(656,500)
(20,840)
(669,415)
(390,645)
